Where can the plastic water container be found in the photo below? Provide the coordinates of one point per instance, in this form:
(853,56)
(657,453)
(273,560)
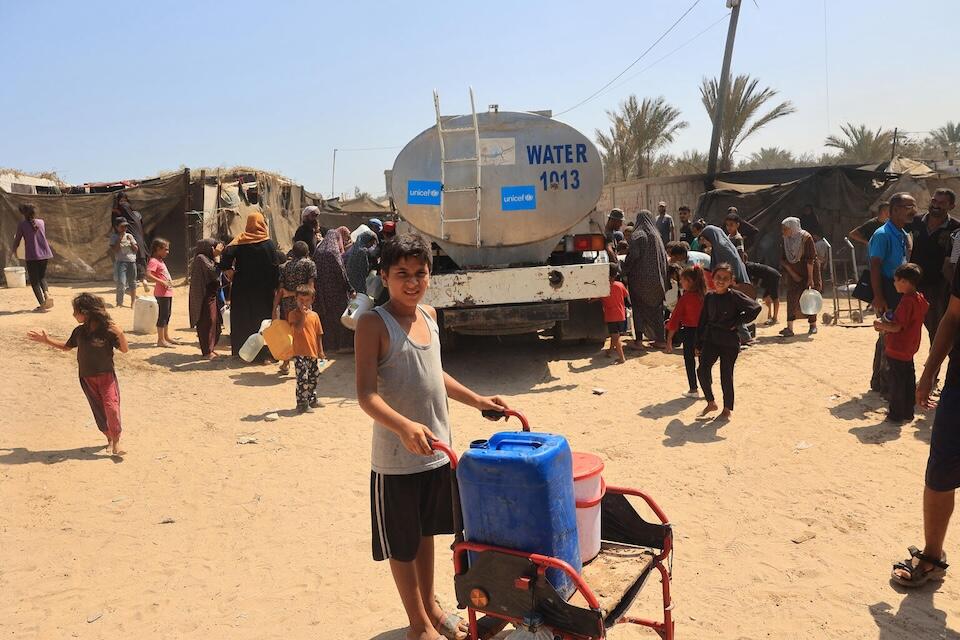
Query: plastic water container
(145,314)
(516,491)
(588,489)
(226,319)
(279,339)
(360,304)
(251,348)
(811,302)
(16,277)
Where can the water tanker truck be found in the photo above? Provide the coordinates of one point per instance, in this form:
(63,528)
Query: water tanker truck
(505,197)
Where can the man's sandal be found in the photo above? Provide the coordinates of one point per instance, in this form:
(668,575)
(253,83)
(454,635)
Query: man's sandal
(918,576)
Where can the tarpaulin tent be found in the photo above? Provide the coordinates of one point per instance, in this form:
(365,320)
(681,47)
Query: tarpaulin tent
(78,226)
(841,198)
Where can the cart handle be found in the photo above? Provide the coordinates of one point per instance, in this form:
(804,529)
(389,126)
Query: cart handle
(436,445)
(494,414)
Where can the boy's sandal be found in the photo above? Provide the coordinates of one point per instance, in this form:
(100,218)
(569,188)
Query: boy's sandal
(917,575)
(452,627)
(787,333)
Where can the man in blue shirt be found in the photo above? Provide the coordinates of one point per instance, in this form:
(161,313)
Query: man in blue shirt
(887,251)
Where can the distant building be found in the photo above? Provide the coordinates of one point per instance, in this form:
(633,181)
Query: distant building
(16,182)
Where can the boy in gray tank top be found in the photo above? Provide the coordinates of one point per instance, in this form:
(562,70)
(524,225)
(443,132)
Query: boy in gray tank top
(402,386)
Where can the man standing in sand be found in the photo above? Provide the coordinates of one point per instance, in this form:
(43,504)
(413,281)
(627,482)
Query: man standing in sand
(888,250)
(932,245)
(614,223)
(943,464)
(665,225)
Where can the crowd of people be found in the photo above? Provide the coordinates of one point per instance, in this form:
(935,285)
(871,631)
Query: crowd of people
(401,384)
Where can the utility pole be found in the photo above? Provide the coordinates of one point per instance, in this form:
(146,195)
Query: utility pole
(333,175)
(893,152)
(722,91)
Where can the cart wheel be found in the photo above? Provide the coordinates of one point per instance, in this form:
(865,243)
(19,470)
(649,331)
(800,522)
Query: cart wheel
(827,318)
(856,316)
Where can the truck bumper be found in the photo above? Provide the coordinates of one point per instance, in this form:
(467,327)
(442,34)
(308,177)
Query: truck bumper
(518,285)
(505,319)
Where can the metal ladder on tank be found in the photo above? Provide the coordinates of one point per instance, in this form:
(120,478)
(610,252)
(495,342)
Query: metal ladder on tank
(444,161)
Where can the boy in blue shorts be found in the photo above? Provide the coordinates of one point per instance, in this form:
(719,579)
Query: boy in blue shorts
(402,386)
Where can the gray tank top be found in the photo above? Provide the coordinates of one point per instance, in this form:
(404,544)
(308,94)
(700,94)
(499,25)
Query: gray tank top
(410,380)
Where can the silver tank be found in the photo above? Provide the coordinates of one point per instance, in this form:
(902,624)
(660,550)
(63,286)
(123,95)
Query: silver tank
(539,178)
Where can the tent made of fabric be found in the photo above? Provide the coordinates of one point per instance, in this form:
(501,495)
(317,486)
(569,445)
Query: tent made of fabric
(78,226)
(841,198)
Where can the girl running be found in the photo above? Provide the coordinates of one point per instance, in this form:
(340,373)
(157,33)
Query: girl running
(95,339)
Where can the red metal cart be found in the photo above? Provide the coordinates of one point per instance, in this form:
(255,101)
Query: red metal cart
(498,586)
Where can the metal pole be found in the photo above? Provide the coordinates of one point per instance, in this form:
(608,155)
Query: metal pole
(722,91)
(333,175)
(893,152)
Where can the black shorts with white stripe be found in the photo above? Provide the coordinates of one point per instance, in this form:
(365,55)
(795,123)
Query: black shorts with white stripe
(404,508)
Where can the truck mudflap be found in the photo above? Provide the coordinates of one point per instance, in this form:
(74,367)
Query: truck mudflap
(505,319)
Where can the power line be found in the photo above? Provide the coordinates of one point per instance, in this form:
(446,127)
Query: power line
(661,59)
(632,64)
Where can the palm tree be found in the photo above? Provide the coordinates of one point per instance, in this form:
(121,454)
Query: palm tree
(614,154)
(947,136)
(741,117)
(653,125)
(691,162)
(769,158)
(638,130)
(861,144)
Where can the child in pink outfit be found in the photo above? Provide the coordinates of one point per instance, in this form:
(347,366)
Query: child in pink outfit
(158,273)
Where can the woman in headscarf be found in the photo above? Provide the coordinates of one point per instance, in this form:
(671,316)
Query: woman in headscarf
(359,260)
(646,270)
(333,290)
(801,266)
(250,262)
(723,250)
(204,287)
(307,231)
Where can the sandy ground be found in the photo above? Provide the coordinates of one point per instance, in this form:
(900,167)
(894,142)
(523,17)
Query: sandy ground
(271,539)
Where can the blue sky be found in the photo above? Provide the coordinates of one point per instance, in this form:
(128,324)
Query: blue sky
(111,90)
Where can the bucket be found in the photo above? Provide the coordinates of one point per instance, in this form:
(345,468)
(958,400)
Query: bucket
(16,277)
(811,302)
(588,490)
(360,304)
(145,314)
(279,339)
(251,348)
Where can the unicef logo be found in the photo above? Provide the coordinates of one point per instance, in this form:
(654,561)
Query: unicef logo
(528,197)
(434,192)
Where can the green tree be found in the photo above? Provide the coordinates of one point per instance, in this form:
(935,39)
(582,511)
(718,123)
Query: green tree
(742,112)
(691,163)
(769,158)
(613,150)
(860,144)
(947,137)
(638,130)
